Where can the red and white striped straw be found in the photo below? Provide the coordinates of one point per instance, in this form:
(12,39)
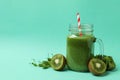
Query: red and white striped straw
(78,20)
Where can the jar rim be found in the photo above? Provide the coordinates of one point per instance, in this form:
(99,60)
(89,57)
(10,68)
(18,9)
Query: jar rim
(86,25)
(83,26)
(86,29)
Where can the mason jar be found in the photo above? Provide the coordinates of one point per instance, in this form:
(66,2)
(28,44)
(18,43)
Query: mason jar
(80,47)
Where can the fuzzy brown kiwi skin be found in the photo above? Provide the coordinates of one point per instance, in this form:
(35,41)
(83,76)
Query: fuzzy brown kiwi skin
(63,64)
(93,71)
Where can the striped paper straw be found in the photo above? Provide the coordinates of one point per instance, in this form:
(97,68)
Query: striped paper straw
(78,20)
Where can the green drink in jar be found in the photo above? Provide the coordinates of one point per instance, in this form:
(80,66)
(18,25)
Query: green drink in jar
(80,48)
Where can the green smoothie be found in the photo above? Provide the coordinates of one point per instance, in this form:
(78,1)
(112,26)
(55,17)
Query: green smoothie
(79,50)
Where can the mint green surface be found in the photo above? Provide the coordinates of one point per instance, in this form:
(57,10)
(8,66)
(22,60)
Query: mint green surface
(33,28)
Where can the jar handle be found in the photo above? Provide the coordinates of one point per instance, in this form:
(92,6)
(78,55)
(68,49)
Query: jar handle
(101,45)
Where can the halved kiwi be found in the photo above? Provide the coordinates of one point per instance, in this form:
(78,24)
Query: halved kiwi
(110,62)
(97,66)
(58,62)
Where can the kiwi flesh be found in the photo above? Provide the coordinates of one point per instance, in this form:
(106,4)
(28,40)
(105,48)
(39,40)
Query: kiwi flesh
(58,62)
(97,66)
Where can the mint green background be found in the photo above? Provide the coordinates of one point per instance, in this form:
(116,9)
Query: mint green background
(33,28)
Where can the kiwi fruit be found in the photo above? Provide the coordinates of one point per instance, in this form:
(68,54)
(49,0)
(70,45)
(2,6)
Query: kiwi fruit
(97,66)
(109,62)
(58,62)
